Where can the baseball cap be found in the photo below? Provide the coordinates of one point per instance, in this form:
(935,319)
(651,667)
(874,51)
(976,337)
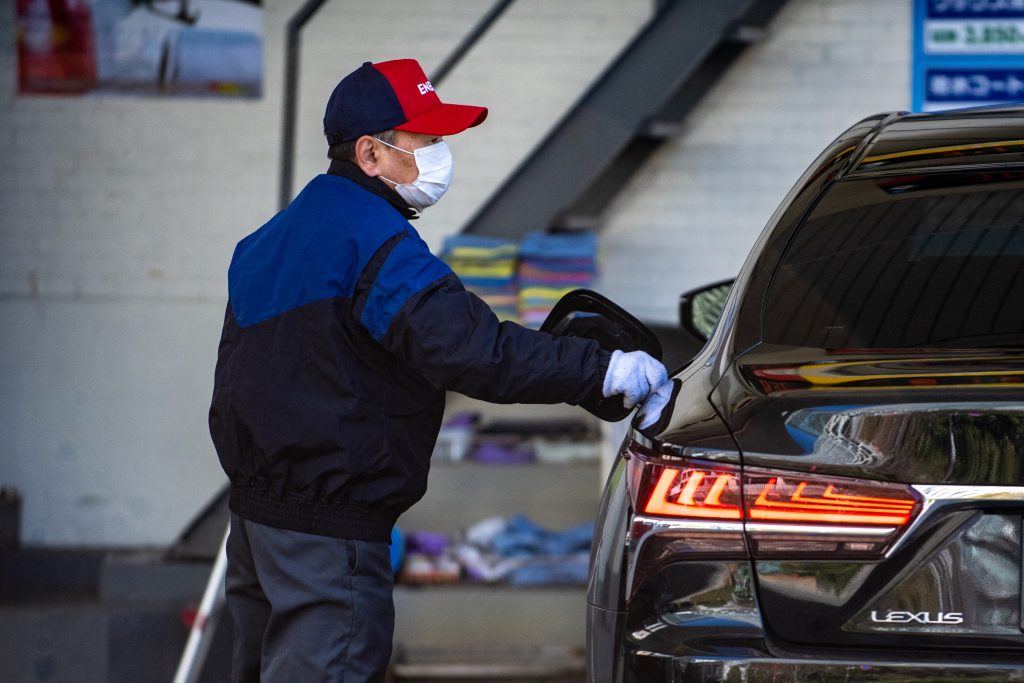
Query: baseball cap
(394,94)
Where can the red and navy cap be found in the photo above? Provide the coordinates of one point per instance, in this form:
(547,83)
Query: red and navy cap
(394,94)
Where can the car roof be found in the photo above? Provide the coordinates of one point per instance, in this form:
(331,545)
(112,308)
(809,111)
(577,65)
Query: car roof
(964,139)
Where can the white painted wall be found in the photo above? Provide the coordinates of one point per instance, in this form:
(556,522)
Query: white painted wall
(118,217)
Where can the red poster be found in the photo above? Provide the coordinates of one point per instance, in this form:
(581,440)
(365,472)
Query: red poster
(145,47)
(56,46)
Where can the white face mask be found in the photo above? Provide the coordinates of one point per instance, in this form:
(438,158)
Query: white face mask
(434,163)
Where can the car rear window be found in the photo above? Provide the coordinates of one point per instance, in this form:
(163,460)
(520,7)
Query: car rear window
(924,261)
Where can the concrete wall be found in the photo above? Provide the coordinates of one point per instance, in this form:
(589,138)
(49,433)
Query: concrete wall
(118,216)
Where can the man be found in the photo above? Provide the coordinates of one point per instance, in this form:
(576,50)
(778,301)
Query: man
(341,336)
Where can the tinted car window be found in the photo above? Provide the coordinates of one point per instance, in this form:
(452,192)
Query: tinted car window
(905,262)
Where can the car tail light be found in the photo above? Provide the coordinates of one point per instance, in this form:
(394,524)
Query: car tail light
(790,497)
(793,514)
(688,507)
(696,492)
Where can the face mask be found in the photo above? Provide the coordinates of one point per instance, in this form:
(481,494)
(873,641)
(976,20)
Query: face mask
(434,163)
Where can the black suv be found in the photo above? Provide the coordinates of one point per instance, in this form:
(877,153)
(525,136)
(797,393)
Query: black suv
(836,490)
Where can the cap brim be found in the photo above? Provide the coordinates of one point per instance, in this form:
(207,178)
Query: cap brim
(446,119)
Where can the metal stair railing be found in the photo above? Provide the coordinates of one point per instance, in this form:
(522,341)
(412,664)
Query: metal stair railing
(639,101)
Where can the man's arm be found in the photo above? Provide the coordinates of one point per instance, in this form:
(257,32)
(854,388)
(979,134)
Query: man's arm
(412,303)
(456,342)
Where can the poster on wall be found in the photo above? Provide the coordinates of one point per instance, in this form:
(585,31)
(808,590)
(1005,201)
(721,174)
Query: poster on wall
(193,48)
(967,53)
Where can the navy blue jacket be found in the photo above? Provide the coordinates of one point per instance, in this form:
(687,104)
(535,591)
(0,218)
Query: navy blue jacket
(341,336)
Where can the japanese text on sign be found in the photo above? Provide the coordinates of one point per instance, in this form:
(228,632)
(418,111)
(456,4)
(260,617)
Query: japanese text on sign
(971,37)
(975,9)
(975,86)
(967,52)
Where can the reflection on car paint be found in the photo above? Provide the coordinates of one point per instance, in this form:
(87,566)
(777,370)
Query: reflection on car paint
(977,575)
(901,373)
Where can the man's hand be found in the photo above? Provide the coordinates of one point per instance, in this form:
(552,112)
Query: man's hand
(650,412)
(635,375)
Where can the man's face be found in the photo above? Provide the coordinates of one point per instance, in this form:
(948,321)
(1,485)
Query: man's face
(398,166)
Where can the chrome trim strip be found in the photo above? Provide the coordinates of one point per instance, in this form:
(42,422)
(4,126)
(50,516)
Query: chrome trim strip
(659,525)
(933,493)
(779,529)
(936,495)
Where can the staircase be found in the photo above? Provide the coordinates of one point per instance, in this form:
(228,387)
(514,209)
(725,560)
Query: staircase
(641,100)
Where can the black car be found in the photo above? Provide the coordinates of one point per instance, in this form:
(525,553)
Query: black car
(836,490)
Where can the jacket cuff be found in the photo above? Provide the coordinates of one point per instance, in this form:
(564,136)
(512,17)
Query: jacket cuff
(596,392)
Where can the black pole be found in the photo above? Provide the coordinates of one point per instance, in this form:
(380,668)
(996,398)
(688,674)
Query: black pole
(470,39)
(291,86)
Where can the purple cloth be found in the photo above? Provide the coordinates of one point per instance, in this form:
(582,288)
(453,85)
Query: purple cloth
(499,453)
(463,419)
(426,543)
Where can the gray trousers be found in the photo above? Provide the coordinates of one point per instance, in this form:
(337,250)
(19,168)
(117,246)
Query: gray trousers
(307,607)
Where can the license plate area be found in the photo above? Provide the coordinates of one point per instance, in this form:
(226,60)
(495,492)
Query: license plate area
(960,588)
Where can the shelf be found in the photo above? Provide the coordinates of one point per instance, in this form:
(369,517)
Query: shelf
(459,494)
(463,493)
(488,614)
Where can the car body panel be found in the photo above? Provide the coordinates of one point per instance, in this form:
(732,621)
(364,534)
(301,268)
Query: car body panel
(963,593)
(605,588)
(924,143)
(966,434)
(943,420)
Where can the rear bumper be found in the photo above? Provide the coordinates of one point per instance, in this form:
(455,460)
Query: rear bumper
(700,669)
(612,657)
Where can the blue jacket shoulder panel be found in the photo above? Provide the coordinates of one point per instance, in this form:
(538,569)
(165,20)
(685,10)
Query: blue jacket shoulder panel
(316,248)
(408,269)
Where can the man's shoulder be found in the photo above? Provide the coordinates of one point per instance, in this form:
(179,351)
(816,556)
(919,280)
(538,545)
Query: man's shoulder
(330,214)
(330,187)
(316,248)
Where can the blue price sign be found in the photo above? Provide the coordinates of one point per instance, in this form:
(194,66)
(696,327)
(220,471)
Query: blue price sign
(974,9)
(973,86)
(967,52)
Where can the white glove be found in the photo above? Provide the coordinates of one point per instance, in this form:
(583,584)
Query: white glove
(650,412)
(634,375)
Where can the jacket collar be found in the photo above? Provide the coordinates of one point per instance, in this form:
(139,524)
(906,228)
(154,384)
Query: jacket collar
(347,169)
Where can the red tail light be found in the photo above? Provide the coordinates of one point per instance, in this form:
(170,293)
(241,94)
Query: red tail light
(767,513)
(798,498)
(696,492)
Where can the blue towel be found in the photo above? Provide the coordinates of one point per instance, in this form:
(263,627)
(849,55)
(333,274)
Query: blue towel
(522,537)
(567,569)
(477,241)
(562,245)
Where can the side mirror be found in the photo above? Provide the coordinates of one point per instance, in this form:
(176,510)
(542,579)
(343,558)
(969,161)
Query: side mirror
(584,313)
(700,309)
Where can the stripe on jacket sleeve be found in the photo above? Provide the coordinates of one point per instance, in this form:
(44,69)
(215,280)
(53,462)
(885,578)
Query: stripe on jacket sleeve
(369,275)
(408,268)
